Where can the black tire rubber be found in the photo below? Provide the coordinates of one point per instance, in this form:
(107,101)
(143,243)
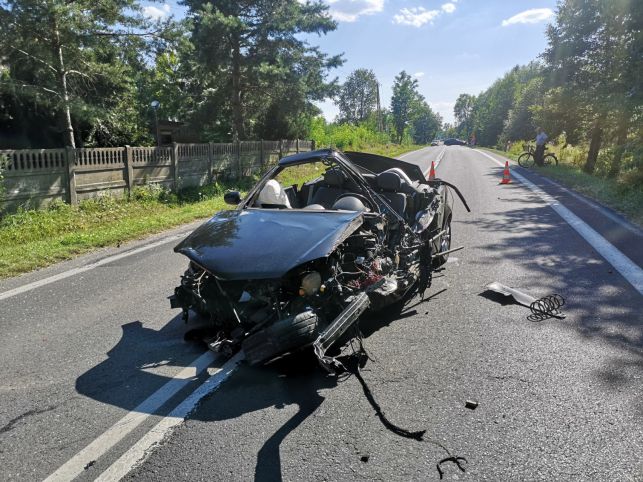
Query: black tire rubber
(550,160)
(445,244)
(281,337)
(526,159)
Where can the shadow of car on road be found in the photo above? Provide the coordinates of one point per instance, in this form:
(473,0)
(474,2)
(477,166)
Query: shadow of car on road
(124,380)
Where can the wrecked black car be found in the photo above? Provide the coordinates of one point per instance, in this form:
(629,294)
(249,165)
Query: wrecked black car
(320,239)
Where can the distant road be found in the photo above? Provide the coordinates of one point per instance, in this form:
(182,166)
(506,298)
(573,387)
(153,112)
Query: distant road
(87,357)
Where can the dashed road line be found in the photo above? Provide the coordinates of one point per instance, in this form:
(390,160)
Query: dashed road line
(624,265)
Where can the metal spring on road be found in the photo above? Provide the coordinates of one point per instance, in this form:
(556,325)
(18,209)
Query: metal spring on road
(546,307)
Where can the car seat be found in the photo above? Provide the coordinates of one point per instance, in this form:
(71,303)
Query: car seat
(331,188)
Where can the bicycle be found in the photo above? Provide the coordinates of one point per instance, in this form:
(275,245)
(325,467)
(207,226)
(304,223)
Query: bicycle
(528,158)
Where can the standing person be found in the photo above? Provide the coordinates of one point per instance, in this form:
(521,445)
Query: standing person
(541,140)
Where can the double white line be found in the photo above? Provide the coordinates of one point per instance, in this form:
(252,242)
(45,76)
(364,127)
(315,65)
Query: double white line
(117,432)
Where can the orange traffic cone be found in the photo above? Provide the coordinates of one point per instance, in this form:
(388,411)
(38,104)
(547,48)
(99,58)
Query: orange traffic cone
(505,175)
(432,172)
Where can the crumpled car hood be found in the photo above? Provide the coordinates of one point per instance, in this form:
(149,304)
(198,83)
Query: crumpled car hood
(266,243)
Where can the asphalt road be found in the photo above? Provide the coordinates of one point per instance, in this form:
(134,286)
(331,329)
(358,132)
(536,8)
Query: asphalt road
(558,399)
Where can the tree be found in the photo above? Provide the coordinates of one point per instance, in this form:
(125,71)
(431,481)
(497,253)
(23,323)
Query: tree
(492,108)
(463,112)
(426,124)
(404,103)
(358,96)
(73,58)
(520,119)
(255,51)
(589,54)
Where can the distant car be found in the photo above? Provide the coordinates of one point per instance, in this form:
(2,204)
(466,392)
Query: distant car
(434,143)
(452,141)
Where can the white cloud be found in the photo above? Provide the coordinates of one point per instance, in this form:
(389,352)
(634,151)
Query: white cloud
(418,75)
(448,7)
(350,10)
(155,13)
(416,16)
(533,15)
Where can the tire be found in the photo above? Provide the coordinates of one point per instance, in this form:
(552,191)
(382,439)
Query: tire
(526,159)
(550,160)
(445,244)
(281,337)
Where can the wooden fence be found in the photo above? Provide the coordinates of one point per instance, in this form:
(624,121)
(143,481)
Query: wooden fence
(35,177)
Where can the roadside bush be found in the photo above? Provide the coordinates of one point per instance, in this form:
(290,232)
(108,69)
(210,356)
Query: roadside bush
(149,193)
(345,136)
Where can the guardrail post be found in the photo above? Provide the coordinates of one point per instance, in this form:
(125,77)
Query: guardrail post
(297,145)
(129,170)
(281,148)
(70,157)
(175,164)
(312,145)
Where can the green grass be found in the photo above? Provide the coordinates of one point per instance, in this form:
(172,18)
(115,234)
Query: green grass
(623,197)
(35,239)
(38,238)
(390,150)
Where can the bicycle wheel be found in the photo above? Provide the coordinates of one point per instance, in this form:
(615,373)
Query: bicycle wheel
(526,159)
(550,160)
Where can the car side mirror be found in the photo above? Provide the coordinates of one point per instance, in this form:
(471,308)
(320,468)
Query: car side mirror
(232,197)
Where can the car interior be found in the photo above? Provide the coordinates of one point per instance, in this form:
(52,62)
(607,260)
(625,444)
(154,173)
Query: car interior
(334,190)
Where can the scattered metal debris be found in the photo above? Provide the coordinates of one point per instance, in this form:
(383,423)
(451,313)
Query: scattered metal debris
(541,308)
(472,404)
(546,307)
(456,460)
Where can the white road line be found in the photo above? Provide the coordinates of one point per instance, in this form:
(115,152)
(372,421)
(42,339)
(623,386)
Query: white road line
(624,224)
(141,450)
(624,265)
(82,269)
(76,465)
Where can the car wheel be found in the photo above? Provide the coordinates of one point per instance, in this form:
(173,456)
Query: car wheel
(445,244)
(281,337)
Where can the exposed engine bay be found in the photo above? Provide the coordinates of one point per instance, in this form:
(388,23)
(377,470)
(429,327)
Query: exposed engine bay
(272,279)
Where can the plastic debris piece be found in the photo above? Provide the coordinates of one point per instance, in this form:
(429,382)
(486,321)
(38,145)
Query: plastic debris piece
(472,404)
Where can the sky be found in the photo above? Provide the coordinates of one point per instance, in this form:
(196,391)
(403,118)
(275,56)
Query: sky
(450,46)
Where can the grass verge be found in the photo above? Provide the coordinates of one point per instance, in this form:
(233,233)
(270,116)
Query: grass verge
(628,200)
(34,239)
(391,150)
(38,238)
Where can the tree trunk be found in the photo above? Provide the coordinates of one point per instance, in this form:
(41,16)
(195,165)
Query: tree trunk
(62,78)
(238,132)
(594,145)
(621,140)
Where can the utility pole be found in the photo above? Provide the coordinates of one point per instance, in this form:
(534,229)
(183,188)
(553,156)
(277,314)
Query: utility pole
(380,127)
(155,107)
